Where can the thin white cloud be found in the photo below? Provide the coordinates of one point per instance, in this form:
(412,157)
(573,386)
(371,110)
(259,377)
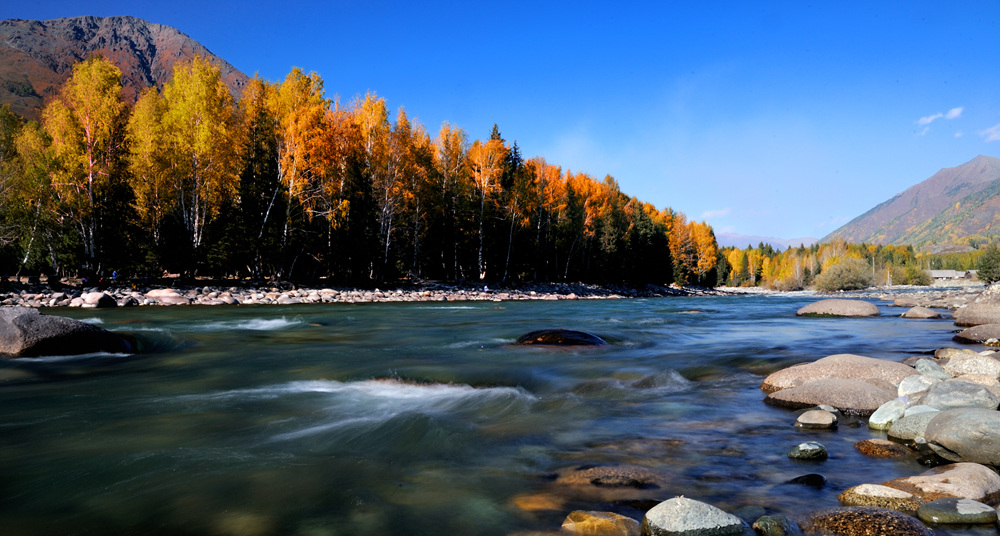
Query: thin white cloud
(991,134)
(959,134)
(835,221)
(954,113)
(721,213)
(923,131)
(929,119)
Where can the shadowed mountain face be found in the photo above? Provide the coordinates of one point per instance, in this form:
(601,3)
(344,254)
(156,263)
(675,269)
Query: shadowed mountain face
(954,203)
(36,57)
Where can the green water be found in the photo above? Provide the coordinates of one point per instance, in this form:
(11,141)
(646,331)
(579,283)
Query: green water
(423,418)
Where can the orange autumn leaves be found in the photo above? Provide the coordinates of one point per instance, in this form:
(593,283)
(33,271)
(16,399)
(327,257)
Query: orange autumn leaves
(287,178)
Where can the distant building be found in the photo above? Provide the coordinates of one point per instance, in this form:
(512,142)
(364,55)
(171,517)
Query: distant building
(952,274)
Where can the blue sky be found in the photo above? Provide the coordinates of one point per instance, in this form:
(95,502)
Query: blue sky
(782,119)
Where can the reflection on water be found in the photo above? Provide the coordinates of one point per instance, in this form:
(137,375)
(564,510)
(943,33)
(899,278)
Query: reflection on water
(362,419)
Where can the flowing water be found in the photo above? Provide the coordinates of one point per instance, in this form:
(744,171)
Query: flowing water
(422,418)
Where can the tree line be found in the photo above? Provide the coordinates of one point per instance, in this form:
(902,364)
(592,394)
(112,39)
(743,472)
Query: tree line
(284,183)
(836,265)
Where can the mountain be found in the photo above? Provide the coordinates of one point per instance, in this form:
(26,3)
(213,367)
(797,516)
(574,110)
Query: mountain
(954,203)
(726,240)
(36,57)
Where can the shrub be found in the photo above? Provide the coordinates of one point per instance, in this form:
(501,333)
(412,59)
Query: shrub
(849,274)
(989,265)
(916,276)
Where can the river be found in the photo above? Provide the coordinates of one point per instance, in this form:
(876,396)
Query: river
(423,418)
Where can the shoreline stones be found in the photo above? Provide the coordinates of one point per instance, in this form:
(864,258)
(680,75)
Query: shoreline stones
(850,397)
(966,435)
(839,307)
(963,480)
(921,313)
(602,523)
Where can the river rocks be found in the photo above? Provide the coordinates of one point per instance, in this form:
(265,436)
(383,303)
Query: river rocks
(881,448)
(962,480)
(97,299)
(809,450)
(952,510)
(167,296)
(561,337)
(978,334)
(917,383)
(776,526)
(966,435)
(959,394)
(844,366)
(600,524)
(886,414)
(880,496)
(28,333)
(681,516)
(932,369)
(985,309)
(817,419)
(921,313)
(839,307)
(912,426)
(864,521)
(851,397)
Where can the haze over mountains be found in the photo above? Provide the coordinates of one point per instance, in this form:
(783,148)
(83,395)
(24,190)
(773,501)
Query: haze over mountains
(953,204)
(36,57)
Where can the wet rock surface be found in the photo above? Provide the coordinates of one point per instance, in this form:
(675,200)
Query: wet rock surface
(839,307)
(27,333)
(560,337)
(864,521)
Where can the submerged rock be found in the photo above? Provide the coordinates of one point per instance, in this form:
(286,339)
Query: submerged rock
(881,448)
(810,450)
(839,307)
(681,516)
(776,526)
(952,510)
(600,524)
(561,337)
(28,333)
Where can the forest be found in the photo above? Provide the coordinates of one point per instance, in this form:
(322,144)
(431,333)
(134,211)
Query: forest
(798,268)
(286,184)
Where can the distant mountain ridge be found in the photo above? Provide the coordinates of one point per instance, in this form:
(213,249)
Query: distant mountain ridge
(952,204)
(36,57)
(741,241)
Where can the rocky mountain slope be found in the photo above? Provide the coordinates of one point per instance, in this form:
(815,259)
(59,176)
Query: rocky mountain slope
(954,203)
(36,57)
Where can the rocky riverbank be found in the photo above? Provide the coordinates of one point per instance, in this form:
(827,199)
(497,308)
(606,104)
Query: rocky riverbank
(39,296)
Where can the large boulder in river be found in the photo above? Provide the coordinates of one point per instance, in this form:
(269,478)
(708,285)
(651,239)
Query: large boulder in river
(978,334)
(168,296)
(843,366)
(839,307)
(28,333)
(921,313)
(851,397)
(966,435)
(963,480)
(561,337)
(954,394)
(985,309)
